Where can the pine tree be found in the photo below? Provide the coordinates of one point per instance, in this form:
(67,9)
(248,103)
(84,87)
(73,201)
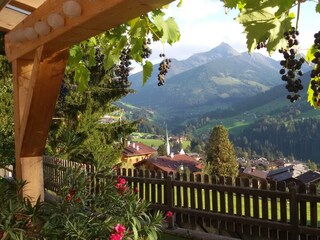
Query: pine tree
(221,157)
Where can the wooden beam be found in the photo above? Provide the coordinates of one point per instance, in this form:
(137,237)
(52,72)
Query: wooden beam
(9,19)
(32,173)
(21,75)
(27,5)
(97,16)
(45,83)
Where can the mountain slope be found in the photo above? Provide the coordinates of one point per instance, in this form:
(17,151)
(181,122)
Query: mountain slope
(216,78)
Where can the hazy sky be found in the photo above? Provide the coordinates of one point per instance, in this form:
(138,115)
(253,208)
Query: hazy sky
(204,25)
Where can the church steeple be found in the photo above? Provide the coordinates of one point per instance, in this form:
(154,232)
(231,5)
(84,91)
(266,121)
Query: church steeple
(167,142)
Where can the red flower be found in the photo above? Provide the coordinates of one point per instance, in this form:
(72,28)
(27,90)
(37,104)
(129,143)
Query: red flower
(78,200)
(116,236)
(72,192)
(120,228)
(68,197)
(136,190)
(169,214)
(122,181)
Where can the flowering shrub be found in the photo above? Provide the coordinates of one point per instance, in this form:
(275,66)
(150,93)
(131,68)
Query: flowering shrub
(115,212)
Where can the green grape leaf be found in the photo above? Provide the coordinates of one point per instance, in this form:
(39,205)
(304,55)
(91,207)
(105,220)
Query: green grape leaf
(276,40)
(179,3)
(310,54)
(75,55)
(82,76)
(110,59)
(138,27)
(168,28)
(284,6)
(231,3)
(310,95)
(171,31)
(136,49)
(261,24)
(147,71)
(318,7)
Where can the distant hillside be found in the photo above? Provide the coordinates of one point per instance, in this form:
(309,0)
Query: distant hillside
(270,103)
(206,81)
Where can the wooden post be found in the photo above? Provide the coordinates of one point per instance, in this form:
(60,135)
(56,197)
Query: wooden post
(32,173)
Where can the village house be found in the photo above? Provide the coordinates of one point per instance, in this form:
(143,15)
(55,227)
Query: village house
(173,163)
(309,177)
(135,152)
(287,174)
(253,173)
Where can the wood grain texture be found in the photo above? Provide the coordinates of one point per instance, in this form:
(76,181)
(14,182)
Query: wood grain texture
(97,16)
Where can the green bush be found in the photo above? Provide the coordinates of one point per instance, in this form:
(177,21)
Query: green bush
(114,212)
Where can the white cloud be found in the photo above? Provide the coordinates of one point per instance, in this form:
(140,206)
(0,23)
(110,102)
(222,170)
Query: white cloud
(204,25)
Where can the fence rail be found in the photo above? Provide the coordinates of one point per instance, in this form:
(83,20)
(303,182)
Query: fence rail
(268,210)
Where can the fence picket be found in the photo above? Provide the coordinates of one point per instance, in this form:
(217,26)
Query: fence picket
(313,211)
(185,198)
(153,187)
(256,208)
(192,199)
(199,199)
(283,209)
(274,210)
(207,200)
(159,189)
(265,207)
(239,227)
(230,225)
(303,210)
(247,206)
(147,186)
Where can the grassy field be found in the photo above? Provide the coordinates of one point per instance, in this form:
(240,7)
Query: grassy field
(145,139)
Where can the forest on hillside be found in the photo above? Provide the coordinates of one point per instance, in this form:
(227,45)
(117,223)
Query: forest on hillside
(274,137)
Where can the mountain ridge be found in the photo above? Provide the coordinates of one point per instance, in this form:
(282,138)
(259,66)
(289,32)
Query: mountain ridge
(217,77)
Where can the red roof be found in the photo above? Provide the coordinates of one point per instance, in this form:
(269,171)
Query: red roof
(172,164)
(137,149)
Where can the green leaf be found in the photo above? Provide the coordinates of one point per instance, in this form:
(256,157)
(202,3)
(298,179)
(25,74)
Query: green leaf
(135,232)
(138,27)
(310,54)
(171,31)
(75,55)
(147,71)
(318,7)
(82,76)
(231,3)
(260,24)
(179,3)
(110,60)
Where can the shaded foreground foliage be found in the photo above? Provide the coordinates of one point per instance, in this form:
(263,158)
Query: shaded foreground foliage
(116,212)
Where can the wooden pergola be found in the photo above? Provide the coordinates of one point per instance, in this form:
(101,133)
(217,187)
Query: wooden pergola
(39,61)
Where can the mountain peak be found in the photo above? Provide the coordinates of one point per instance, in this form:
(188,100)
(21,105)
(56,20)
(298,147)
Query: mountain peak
(221,51)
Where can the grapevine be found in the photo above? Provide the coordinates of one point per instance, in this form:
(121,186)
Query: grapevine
(163,69)
(315,73)
(291,65)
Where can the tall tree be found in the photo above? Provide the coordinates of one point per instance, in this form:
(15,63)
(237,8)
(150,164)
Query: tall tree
(221,157)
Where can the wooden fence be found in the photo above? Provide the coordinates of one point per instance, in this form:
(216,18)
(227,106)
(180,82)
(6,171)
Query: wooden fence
(268,210)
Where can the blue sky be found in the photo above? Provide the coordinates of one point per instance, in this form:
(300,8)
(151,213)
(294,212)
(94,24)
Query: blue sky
(204,25)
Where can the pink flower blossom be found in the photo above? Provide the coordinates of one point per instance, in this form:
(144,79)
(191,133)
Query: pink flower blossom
(68,197)
(116,236)
(169,214)
(78,200)
(122,181)
(136,190)
(120,228)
